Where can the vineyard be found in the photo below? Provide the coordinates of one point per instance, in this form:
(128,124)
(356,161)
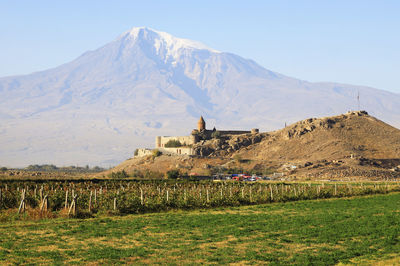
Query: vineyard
(84,199)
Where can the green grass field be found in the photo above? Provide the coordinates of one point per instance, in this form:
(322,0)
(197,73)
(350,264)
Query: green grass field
(357,230)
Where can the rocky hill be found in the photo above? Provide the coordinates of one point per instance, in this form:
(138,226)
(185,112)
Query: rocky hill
(351,145)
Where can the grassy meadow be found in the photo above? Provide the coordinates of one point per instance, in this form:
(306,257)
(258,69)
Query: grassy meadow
(358,230)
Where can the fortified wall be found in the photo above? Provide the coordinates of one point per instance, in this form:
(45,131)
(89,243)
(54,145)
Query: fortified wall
(184,140)
(199,134)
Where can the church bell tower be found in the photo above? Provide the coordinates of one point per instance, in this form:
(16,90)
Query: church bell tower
(201,125)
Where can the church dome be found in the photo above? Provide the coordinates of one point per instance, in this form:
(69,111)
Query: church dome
(201,125)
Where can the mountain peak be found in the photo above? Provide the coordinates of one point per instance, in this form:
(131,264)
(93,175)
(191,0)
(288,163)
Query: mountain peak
(162,40)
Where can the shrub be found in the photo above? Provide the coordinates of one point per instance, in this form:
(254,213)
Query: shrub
(173,143)
(156,153)
(152,174)
(136,152)
(216,134)
(173,174)
(119,174)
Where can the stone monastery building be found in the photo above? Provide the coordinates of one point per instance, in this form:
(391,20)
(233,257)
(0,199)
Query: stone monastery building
(185,147)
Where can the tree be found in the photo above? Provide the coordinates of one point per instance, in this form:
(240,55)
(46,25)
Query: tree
(136,152)
(173,174)
(173,143)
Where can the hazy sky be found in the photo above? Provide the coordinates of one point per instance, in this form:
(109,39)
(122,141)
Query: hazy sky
(349,41)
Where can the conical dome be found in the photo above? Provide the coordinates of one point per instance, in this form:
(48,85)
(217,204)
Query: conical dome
(201,125)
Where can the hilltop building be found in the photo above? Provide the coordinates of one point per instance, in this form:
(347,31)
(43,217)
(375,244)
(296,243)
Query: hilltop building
(182,145)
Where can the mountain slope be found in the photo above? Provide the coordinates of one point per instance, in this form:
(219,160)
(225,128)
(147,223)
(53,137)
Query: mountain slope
(98,108)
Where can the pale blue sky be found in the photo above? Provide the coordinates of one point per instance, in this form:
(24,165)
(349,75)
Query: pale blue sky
(349,41)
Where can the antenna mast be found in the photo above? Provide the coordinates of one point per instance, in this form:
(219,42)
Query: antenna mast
(358,100)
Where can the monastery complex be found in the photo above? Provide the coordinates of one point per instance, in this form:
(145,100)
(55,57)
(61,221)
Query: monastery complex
(167,144)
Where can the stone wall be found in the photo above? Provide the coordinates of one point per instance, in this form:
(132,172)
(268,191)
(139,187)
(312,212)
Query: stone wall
(174,151)
(177,151)
(233,132)
(144,152)
(184,140)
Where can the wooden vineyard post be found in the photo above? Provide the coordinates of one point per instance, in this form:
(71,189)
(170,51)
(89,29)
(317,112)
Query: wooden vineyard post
(115,203)
(72,208)
(41,193)
(272,194)
(335,189)
(266,192)
(221,193)
(43,206)
(95,195)
(22,204)
(90,202)
(167,195)
(208,197)
(141,196)
(66,200)
(184,196)
(250,194)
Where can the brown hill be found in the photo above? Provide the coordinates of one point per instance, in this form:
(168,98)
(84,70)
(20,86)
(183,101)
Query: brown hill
(331,138)
(352,145)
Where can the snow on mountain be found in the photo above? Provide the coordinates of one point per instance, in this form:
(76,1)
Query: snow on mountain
(98,108)
(165,44)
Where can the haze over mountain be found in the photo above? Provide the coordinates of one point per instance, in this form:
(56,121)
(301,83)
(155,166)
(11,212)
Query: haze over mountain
(98,108)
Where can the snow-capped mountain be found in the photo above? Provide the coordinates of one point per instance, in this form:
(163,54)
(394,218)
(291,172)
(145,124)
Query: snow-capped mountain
(98,108)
